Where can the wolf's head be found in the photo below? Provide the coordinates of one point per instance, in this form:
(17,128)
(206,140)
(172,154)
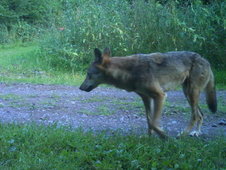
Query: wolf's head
(95,74)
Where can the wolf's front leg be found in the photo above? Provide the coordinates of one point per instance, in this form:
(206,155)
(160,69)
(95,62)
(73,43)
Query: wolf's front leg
(158,99)
(151,123)
(147,104)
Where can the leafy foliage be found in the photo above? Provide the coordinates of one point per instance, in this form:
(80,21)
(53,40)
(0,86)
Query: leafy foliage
(33,12)
(22,20)
(73,28)
(136,27)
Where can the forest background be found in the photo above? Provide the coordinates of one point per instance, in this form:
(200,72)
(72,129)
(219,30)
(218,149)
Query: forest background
(65,32)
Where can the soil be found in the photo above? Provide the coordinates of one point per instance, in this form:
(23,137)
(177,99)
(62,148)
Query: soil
(104,109)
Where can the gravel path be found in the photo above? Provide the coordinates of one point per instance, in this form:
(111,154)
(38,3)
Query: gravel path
(107,109)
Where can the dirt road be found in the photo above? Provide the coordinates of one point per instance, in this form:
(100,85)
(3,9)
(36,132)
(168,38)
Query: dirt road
(107,109)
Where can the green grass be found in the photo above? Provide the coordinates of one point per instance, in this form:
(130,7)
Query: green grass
(221,104)
(49,147)
(10,97)
(101,110)
(24,64)
(220,77)
(93,99)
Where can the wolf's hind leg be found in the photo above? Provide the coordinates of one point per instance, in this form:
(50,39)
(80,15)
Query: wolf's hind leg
(192,95)
(196,117)
(199,122)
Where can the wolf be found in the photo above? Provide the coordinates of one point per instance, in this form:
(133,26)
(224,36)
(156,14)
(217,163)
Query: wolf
(151,75)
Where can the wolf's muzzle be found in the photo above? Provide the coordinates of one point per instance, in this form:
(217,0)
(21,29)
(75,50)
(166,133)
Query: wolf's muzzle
(87,89)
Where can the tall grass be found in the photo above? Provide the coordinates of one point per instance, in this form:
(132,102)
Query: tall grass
(136,27)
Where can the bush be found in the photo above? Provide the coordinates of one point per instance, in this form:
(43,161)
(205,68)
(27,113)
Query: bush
(135,27)
(92,24)
(22,20)
(32,11)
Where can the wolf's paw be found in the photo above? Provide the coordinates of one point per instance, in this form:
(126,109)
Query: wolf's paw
(151,132)
(182,133)
(195,133)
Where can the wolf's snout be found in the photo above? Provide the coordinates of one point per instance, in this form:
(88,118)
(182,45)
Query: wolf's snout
(80,88)
(86,88)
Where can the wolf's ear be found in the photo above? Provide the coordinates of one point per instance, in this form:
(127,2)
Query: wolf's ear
(107,52)
(98,56)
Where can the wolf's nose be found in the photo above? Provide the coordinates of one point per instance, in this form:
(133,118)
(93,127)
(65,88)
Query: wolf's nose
(80,88)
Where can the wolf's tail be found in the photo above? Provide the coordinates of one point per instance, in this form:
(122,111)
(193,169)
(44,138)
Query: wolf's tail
(211,98)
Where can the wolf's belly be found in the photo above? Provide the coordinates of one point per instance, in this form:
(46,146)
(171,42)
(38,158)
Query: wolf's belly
(173,81)
(170,86)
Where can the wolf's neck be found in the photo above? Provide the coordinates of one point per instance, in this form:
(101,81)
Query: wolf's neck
(118,74)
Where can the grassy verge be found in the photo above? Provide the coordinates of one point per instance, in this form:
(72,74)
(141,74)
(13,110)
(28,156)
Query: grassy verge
(220,79)
(41,147)
(24,64)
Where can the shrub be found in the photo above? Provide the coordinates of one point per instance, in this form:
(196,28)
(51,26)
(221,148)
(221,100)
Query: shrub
(135,27)
(22,20)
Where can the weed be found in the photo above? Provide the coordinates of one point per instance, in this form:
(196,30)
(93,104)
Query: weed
(49,103)
(10,97)
(104,110)
(94,99)
(101,110)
